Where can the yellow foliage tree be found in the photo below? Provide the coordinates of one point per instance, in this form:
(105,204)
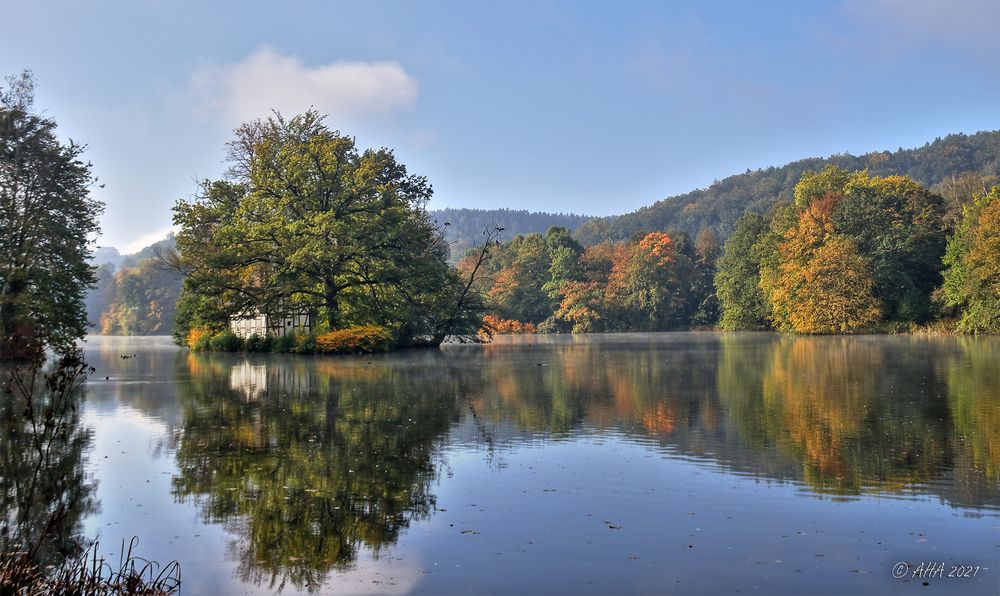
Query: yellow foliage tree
(836,291)
(823,285)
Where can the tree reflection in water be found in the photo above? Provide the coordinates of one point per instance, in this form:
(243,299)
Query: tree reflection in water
(845,415)
(309,461)
(972,376)
(306,460)
(44,490)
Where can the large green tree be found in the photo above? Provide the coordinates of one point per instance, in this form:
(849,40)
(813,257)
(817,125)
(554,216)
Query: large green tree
(742,302)
(900,226)
(47,218)
(972,280)
(304,220)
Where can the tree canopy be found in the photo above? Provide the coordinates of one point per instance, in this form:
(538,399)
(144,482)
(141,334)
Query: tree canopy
(657,282)
(853,251)
(972,280)
(47,218)
(306,221)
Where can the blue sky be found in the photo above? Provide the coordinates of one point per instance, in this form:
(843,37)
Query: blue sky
(590,107)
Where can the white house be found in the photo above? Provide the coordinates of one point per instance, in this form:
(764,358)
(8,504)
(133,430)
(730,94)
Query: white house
(255,322)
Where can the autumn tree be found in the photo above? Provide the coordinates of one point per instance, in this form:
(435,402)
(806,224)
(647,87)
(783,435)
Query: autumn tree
(145,301)
(651,285)
(47,219)
(587,304)
(972,277)
(824,285)
(518,291)
(835,295)
(783,220)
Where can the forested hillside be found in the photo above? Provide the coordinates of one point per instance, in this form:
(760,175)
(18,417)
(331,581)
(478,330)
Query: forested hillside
(553,278)
(465,226)
(946,166)
(135,294)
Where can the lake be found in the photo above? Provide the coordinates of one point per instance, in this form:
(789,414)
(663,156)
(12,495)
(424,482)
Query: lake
(682,463)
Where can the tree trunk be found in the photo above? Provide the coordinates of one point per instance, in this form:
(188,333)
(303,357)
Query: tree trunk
(332,305)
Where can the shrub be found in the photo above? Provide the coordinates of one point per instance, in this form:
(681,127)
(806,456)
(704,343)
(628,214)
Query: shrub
(361,338)
(204,343)
(197,338)
(283,344)
(227,341)
(257,343)
(304,344)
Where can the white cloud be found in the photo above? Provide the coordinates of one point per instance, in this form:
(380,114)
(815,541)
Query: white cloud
(268,79)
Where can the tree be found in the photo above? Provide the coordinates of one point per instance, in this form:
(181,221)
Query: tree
(304,221)
(145,301)
(900,227)
(518,286)
(972,277)
(836,291)
(741,300)
(563,253)
(652,285)
(702,285)
(814,185)
(47,218)
(823,285)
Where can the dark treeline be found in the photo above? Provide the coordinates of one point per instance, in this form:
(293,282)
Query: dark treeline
(464,228)
(946,166)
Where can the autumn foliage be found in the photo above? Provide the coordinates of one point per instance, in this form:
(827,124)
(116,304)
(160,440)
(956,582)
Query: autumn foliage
(196,335)
(362,338)
(500,326)
(854,252)
(823,284)
(657,282)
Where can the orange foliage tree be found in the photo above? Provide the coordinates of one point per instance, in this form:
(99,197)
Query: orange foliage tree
(824,285)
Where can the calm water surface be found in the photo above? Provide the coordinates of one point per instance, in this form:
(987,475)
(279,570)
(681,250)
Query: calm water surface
(660,463)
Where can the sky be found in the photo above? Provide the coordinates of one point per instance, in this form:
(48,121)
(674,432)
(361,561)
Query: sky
(593,107)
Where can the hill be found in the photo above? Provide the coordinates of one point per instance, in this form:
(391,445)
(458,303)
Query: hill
(465,226)
(134,294)
(936,165)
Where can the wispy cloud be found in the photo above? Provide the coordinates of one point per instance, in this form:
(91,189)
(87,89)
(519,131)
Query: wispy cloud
(968,22)
(268,79)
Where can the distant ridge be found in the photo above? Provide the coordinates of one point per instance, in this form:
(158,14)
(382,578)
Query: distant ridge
(465,226)
(721,204)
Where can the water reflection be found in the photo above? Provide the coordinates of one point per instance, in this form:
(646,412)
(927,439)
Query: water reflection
(44,490)
(973,389)
(311,461)
(830,404)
